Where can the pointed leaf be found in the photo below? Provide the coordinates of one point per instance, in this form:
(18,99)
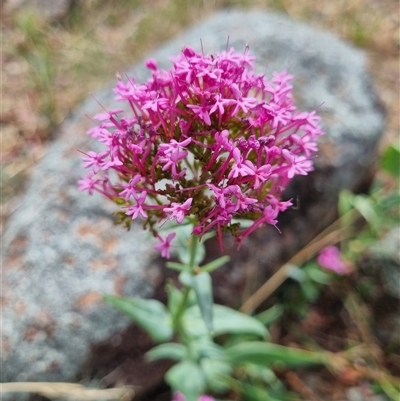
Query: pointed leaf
(202,286)
(205,347)
(390,161)
(264,353)
(186,278)
(176,266)
(316,274)
(188,378)
(225,321)
(167,351)
(365,206)
(216,373)
(228,320)
(175,297)
(254,392)
(270,315)
(215,264)
(150,314)
(345,203)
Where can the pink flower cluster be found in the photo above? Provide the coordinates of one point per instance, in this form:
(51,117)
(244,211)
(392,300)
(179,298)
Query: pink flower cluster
(208,139)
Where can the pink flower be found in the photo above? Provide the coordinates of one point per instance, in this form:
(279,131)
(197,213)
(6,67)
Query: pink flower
(240,167)
(178,211)
(330,259)
(208,138)
(137,209)
(164,245)
(89,183)
(180,397)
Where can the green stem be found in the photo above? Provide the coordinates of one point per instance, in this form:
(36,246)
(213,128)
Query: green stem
(177,318)
(194,240)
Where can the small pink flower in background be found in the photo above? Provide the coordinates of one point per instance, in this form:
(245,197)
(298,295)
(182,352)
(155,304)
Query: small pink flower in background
(180,397)
(330,259)
(164,245)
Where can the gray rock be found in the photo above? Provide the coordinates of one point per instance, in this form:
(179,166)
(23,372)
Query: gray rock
(61,249)
(62,252)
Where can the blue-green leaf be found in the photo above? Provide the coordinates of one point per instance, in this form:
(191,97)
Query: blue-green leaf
(215,264)
(176,266)
(205,347)
(270,315)
(225,321)
(216,372)
(228,320)
(167,351)
(254,392)
(186,278)
(150,314)
(316,274)
(202,286)
(263,353)
(188,378)
(296,273)
(175,298)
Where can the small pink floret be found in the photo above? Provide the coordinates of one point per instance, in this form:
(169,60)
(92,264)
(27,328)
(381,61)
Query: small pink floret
(180,397)
(164,245)
(178,210)
(330,259)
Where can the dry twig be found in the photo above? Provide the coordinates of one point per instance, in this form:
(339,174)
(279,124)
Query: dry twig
(69,391)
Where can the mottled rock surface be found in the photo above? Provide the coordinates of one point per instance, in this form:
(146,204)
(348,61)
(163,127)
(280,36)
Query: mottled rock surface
(60,247)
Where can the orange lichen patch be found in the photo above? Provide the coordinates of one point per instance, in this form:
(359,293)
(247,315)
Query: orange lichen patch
(69,260)
(19,243)
(30,334)
(45,322)
(20,307)
(110,245)
(63,217)
(17,247)
(14,260)
(4,301)
(85,229)
(103,264)
(88,300)
(5,346)
(119,283)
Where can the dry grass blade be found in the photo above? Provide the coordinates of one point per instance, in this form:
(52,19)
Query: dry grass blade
(70,391)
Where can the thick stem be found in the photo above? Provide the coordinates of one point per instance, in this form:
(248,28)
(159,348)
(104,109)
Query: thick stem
(181,309)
